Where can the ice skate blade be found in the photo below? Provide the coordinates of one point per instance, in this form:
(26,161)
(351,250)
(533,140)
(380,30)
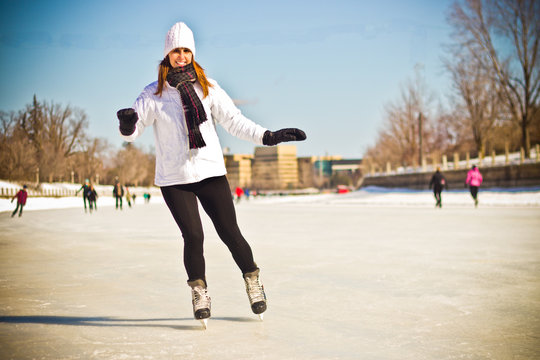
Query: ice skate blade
(261,317)
(204,323)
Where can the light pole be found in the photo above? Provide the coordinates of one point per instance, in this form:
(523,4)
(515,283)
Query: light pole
(420,155)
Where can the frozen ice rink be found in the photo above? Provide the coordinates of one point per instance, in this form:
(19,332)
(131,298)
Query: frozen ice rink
(384,276)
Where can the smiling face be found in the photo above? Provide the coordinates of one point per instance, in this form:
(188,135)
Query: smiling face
(180,57)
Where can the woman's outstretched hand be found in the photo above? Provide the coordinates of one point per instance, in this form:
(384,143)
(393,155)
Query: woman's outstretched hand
(128,118)
(271,138)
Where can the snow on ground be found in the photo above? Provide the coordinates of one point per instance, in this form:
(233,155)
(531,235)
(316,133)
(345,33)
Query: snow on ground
(367,197)
(9,185)
(404,197)
(42,203)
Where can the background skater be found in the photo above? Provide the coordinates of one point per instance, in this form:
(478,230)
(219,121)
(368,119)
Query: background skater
(184,106)
(128,196)
(84,188)
(474,180)
(21,196)
(438,182)
(118,193)
(92,198)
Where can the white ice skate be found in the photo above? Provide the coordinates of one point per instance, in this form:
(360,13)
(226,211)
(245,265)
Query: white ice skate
(201,301)
(255,292)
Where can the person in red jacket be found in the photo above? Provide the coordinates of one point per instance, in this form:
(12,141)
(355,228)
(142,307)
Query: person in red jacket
(21,196)
(239,192)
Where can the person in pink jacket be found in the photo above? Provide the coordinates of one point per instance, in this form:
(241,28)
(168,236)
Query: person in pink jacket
(474,180)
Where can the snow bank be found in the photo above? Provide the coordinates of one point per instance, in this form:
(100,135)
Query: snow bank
(372,196)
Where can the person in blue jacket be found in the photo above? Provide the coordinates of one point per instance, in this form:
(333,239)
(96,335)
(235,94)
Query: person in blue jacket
(183,106)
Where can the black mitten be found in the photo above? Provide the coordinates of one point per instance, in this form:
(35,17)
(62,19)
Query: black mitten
(271,138)
(128,118)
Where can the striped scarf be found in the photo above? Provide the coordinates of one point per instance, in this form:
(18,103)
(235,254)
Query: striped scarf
(183,78)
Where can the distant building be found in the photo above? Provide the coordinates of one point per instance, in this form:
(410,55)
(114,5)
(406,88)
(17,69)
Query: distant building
(346,172)
(238,170)
(330,171)
(278,168)
(275,168)
(346,166)
(306,173)
(323,164)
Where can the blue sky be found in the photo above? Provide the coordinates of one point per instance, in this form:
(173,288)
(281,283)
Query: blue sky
(325,67)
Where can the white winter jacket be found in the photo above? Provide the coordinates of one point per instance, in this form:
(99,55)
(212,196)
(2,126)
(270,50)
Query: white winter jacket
(175,162)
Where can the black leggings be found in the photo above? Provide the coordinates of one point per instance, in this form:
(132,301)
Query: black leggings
(215,197)
(19,206)
(474,192)
(118,201)
(437,193)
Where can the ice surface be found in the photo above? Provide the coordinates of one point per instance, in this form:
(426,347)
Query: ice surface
(365,275)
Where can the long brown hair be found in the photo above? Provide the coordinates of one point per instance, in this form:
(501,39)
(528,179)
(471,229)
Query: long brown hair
(165,66)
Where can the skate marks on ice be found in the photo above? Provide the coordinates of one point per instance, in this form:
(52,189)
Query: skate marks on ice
(100,321)
(108,321)
(210,320)
(205,323)
(416,283)
(236,319)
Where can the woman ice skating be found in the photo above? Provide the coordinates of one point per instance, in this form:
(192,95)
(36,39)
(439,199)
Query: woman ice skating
(438,182)
(474,180)
(21,196)
(184,106)
(84,188)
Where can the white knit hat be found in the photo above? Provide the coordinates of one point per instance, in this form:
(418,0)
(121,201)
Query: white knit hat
(179,36)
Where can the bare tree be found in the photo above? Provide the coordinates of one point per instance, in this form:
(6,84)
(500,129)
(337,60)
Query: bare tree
(478,104)
(133,166)
(385,150)
(448,132)
(52,138)
(535,130)
(17,158)
(487,28)
(89,162)
(54,132)
(407,132)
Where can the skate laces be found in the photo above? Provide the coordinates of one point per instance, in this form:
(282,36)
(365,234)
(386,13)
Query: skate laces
(201,300)
(255,289)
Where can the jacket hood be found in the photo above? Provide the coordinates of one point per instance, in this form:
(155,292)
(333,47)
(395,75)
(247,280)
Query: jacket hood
(180,35)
